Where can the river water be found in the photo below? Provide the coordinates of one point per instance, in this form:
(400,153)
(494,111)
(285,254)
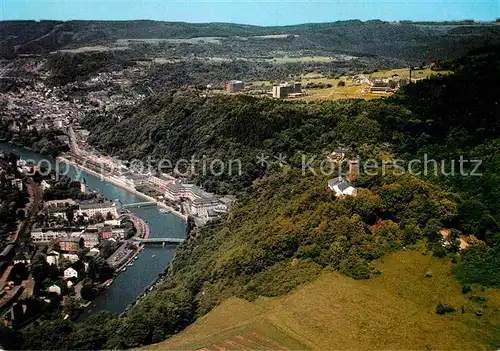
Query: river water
(151,261)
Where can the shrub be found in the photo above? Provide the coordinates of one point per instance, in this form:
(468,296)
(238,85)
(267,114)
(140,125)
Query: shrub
(466,289)
(443,308)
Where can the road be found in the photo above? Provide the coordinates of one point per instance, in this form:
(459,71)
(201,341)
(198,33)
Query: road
(73,143)
(36,194)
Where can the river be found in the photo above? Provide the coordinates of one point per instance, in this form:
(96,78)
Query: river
(128,285)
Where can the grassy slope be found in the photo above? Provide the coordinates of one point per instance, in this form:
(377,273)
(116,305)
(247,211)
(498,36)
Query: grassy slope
(395,310)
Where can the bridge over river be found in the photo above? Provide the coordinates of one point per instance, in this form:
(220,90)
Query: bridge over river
(140,204)
(159,240)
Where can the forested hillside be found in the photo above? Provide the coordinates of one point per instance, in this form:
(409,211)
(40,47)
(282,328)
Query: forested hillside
(411,42)
(286,228)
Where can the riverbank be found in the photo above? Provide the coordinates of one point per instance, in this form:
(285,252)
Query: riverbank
(122,185)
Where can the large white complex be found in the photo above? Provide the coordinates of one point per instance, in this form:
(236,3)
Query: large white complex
(200,202)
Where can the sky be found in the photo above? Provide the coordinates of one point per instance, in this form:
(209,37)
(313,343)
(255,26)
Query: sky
(257,12)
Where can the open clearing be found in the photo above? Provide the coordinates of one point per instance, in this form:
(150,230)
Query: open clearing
(197,40)
(394,310)
(353,90)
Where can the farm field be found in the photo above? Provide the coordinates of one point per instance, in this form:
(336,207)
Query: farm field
(394,310)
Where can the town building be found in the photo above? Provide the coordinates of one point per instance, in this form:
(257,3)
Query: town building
(83,186)
(93,253)
(160,181)
(70,257)
(17,183)
(92,210)
(341,187)
(136,180)
(54,289)
(201,207)
(44,236)
(58,208)
(45,185)
(234,86)
(118,233)
(70,244)
(113,222)
(70,273)
(174,191)
(52,258)
(90,239)
(21,258)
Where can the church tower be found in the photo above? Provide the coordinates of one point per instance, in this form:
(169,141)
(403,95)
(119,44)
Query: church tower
(83,186)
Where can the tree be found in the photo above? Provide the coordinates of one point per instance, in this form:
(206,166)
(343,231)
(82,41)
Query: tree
(98,217)
(87,292)
(444,308)
(70,215)
(69,305)
(10,339)
(107,247)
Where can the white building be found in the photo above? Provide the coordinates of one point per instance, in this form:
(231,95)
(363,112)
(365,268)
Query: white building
(70,273)
(90,239)
(70,257)
(45,185)
(39,235)
(118,233)
(54,289)
(161,181)
(202,207)
(52,258)
(17,183)
(113,222)
(174,191)
(21,258)
(92,209)
(341,187)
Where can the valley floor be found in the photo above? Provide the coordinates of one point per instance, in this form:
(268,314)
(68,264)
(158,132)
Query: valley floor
(394,310)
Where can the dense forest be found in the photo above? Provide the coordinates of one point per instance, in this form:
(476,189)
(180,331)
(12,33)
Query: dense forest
(404,40)
(47,142)
(12,199)
(286,228)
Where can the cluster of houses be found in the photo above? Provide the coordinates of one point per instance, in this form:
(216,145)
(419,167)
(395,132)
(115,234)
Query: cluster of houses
(87,209)
(74,239)
(38,108)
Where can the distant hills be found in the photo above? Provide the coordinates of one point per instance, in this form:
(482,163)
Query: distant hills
(405,40)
